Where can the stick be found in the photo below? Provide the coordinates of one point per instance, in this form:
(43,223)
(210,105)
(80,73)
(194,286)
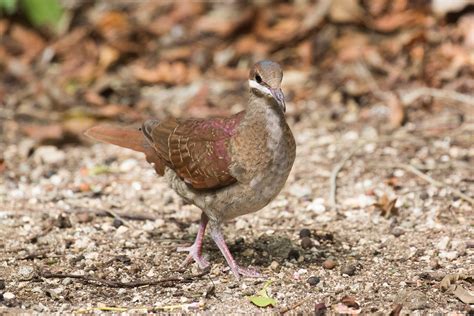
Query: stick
(291,307)
(434,182)
(410,96)
(118,284)
(335,171)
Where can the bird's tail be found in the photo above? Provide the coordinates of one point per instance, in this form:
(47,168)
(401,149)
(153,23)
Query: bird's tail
(127,137)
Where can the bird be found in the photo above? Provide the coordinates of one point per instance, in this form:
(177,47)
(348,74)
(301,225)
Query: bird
(226,166)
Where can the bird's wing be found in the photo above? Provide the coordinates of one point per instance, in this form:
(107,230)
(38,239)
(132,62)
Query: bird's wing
(197,150)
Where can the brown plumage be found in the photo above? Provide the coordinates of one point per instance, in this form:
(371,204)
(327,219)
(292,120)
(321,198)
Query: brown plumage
(225,166)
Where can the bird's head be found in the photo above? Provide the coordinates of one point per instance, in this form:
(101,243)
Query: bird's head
(265,80)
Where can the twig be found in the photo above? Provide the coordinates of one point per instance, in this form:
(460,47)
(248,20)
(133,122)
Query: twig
(120,218)
(434,182)
(409,96)
(335,171)
(292,307)
(118,284)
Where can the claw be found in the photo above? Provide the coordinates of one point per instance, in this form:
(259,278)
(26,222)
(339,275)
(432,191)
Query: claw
(193,254)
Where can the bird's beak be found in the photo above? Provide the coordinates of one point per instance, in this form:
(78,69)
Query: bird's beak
(279,98)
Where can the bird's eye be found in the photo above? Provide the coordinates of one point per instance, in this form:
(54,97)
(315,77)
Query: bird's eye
(258,78)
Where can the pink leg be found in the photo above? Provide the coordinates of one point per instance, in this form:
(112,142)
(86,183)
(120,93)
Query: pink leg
(218,238)
(195,250)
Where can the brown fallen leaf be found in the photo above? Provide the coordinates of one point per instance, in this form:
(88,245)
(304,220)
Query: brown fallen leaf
(395,21)
(223,21)
(386,206)
(31,43)
(346,11)
(350,301)
(41,133)
(320,309)
(168,73)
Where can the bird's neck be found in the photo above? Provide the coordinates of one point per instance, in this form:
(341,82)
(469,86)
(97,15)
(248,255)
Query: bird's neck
(261,109)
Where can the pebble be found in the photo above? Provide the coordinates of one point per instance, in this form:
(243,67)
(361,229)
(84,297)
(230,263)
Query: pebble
(63,221)
(348,270)
(7,296)
(248,252)
(313,280)
(305,233)
(317,206)
(128,165)
(117,223)
(26,273)
(443,243)
(121,230)
(397,231)
(274,265)
(306,243)
(434,264)
(329,264)
(84,217)
(49,155)
(299,191)
(450,255)
(293,254)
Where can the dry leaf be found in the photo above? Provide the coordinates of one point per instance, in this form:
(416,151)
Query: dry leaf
(32,44)
(41,133)
(386,206)
(346,11)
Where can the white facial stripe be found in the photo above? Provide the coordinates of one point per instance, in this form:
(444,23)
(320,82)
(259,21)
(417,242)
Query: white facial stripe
(255,85)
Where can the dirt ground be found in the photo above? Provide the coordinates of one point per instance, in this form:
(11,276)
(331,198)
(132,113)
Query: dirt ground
(50,223)
(376,216)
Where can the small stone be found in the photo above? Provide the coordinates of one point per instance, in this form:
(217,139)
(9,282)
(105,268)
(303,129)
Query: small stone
(348,270)
(450,255)
(248,252)
(121,230)
(49,155)
(117,223)
(313,280)
(299,191)
(274,265)
(305,233)
(7,296)
(128,165)
(329,264)
(2,284)
(443,243)
(293,254)
(63,221)
(397,231)
(306,243)
(26,273)
(320,309)
(434,264)
(316,206)
(84,217)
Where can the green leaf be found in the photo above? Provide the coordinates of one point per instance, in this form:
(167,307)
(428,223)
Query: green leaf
(43,12)
(99,169)
(8,5)
(262,299)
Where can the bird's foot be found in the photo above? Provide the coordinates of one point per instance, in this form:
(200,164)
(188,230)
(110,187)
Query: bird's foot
(245,272)
(193,254)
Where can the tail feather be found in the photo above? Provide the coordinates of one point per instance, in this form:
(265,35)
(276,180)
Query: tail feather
(121,136)
(127,137)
